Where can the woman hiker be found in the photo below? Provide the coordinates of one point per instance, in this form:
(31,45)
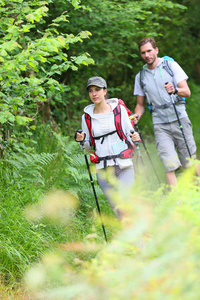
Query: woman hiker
(106,126)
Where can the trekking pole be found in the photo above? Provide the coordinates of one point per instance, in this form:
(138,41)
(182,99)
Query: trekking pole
(92,183)
(179,122)
(140,156)
(138,149)
(147,152)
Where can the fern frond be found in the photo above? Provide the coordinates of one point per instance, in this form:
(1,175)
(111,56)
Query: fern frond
(29,166)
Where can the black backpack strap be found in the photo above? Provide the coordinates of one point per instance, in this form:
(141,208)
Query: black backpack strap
(128,153)
(103,136)
(119,130)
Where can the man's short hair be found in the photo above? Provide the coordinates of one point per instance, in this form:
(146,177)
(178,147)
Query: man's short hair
(147,40)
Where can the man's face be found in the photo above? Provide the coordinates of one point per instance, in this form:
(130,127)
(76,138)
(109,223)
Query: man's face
(148,53)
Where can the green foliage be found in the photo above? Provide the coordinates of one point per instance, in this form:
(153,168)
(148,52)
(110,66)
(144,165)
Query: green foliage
(42,47)
(116,30)
(180,36)
(77,178)
(154,255)
(28,166)
(30,62)
(43,60)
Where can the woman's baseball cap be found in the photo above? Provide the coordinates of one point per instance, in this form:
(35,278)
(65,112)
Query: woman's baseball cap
(97,81)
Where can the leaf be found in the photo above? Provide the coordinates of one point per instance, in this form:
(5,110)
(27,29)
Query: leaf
(76,93)
(11,118)
(3,53)
(3,120)
(75,3)
(74,68)
(85,34)
(22,120)
(33,63)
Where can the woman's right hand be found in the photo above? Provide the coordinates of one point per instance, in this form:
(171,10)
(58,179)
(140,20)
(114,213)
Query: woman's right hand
(80,136)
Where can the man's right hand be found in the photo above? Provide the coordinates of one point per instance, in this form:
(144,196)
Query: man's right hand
(134,118)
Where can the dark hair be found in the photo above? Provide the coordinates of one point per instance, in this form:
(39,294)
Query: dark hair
(107,96)
(147,40)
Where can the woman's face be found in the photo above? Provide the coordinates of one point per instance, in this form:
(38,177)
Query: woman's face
(97,94)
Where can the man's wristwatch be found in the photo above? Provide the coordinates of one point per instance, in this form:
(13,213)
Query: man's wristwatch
(176,91)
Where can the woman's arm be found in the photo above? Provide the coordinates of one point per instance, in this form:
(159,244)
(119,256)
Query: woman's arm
(127,127)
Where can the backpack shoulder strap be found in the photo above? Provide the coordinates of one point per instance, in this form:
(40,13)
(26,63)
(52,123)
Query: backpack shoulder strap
(167,67)
(121,102)
(118,125)
(142,71)
(117,119)
(142,84)
(89,125)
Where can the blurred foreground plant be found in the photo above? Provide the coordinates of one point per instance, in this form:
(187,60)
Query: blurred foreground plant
(155,254)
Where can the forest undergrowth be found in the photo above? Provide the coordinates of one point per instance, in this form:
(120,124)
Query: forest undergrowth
(52,243)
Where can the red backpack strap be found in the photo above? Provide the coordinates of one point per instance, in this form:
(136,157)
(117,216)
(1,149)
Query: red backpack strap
(120,101)
(89,125)
(118,125)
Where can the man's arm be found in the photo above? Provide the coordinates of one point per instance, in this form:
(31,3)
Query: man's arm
(140,108)
(180,77)
(182,87)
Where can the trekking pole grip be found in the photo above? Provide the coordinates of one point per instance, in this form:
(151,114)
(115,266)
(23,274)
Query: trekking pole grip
(132,131)
(80,131)
(168,93)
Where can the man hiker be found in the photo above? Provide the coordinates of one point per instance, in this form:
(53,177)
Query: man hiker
(163,84)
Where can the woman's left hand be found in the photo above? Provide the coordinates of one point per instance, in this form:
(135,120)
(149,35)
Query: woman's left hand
(135,137)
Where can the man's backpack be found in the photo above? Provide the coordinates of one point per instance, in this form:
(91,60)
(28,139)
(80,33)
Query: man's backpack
(167,67)
(117,117)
